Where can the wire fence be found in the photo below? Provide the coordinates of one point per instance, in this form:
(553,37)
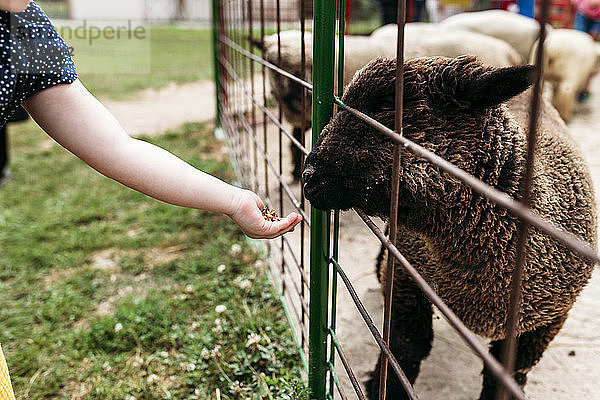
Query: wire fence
(306,266)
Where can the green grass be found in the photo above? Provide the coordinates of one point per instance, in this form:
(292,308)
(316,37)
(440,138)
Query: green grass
(54,9)
(107,294)
(117,68)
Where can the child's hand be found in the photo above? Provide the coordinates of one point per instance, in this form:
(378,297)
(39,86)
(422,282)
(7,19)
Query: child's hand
(248,216)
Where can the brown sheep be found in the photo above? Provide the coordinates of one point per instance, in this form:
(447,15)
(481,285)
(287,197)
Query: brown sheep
(463,244)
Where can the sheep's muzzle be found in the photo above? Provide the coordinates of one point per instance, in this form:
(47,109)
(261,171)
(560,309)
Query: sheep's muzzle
(324,192)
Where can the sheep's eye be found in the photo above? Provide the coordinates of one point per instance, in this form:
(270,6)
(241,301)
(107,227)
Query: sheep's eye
(388,103)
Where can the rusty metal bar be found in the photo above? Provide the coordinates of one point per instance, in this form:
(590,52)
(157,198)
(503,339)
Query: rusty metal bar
(568,239)
(393,222)
(509,351)
(373,329)
(492,364)
(346,364)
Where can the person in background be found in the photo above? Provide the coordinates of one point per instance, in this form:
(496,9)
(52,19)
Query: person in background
(587,17)
(39,74)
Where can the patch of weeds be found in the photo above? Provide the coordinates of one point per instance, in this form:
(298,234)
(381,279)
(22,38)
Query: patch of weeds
(108,294)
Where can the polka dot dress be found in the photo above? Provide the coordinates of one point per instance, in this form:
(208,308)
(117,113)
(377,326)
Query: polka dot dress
(33,57)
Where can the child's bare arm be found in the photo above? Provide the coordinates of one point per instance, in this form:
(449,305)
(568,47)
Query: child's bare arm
(80,123)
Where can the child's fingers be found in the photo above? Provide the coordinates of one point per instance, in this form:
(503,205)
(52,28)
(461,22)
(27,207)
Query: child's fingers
(278,228)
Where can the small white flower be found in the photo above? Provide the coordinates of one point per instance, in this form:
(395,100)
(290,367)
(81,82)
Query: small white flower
(118,327)
(244,284)
(195,325)
(151,378)
(218,326)
(190,367)
(221,268)
(216,352)
(164,354)
(106,366)
(129,397)
(253,341)
(197,392)
(236,249)
(205,354)
(138,362)
(189,288)
(220,309)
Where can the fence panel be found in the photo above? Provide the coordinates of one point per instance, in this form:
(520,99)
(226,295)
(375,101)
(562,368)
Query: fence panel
(260,144)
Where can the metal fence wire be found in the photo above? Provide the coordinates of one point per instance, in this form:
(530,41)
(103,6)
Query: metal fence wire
(306,265)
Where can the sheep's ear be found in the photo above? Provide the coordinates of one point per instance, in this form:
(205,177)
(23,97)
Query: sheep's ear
(493,87)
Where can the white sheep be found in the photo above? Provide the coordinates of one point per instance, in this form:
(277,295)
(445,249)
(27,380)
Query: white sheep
(571,58)
(422,39)
(517,30)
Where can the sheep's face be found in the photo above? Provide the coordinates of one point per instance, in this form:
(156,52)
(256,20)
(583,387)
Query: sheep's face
(446,105)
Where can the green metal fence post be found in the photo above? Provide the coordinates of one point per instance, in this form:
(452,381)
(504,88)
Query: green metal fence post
(323,81)
(216,66)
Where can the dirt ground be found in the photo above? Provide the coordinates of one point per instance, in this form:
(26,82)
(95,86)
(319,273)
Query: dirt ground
(569,369)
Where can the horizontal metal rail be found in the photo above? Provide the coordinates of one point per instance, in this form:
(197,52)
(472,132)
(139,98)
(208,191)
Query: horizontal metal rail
(494,366)
(346,364)
(225,40)
(570,240)
(376,335)
(228,67)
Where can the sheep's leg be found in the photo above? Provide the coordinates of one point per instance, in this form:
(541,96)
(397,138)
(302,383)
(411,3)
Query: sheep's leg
(530,347)
(411,336)
(563,100)
(297,153)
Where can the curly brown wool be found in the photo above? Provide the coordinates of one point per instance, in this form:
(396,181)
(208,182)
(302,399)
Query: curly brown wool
(463,244)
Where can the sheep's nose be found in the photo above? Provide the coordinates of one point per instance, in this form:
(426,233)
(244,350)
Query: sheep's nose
(308,172)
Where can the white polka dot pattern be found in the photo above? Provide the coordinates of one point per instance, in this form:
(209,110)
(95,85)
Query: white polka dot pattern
(33,57)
